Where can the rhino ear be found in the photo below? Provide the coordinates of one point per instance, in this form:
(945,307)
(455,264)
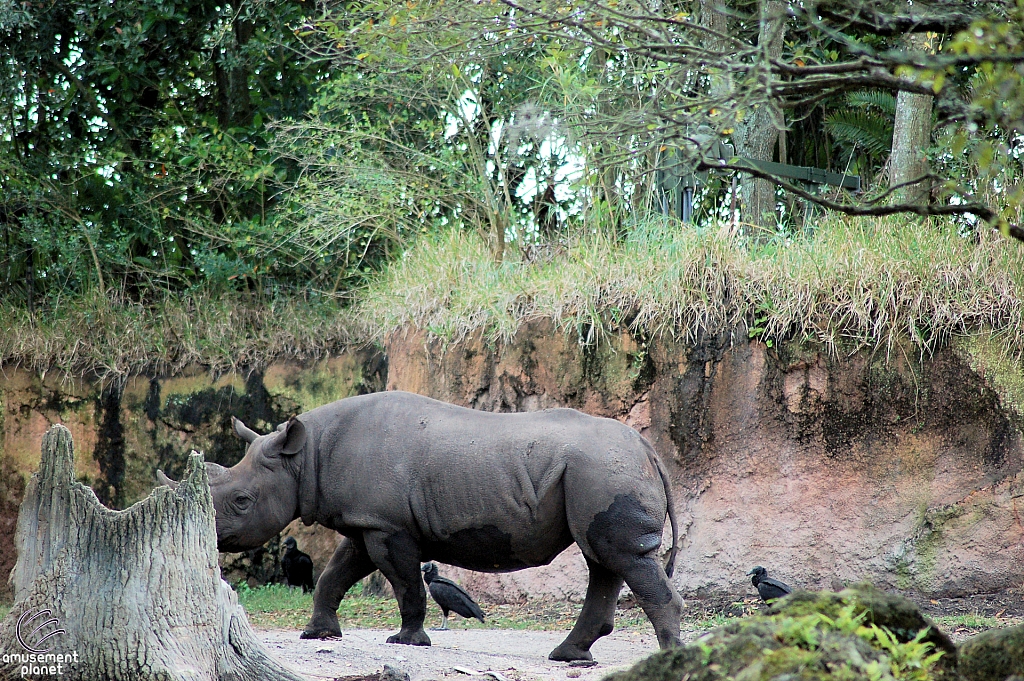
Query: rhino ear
(242,431)
(288,440)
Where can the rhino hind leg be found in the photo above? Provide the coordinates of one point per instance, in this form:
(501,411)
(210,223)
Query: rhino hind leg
(397,556)
(597,618)
(625,540)
(348,565)
(658,599)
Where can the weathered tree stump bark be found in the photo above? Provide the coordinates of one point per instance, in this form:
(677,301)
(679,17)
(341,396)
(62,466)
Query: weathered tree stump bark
(133,594)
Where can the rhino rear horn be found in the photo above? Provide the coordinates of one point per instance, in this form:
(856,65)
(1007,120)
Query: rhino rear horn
(243,431)
(164,480)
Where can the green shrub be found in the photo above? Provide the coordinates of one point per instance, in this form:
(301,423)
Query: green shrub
(859,634)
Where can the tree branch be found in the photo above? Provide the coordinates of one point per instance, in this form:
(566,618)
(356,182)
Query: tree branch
(864,17)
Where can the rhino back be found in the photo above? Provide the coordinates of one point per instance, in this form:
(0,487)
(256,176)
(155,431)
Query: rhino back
(481,490)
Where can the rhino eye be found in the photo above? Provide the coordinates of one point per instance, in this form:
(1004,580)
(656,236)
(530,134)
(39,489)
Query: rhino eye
(242,501)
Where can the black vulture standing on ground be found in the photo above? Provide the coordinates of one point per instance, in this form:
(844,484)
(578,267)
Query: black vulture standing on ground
(449,596)
(297,566)
(767,588)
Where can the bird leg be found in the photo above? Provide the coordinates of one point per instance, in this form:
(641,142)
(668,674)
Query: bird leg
(444,622)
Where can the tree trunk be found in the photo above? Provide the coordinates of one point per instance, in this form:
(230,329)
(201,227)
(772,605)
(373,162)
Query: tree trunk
(133,594)
(757,135)
(911,136)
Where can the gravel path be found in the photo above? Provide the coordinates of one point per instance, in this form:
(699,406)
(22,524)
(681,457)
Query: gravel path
(522,655)
(515,655)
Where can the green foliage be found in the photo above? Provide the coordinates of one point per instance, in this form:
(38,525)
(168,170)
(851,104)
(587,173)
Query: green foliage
(134,155)
(437,127)
(859,634)
(278,151)
(863,128)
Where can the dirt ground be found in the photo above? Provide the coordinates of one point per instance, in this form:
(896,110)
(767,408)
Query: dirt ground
(517,655)
(514,655)
(1006,604)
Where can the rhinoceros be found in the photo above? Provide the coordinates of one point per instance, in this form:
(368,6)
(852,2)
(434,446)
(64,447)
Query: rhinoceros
(406,479)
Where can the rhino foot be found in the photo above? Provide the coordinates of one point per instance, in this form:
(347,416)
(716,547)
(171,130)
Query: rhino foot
(568,652)
(321,633)
(415,638)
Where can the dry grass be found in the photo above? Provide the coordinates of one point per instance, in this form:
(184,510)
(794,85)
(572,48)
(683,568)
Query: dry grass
(855,283)
(114,339)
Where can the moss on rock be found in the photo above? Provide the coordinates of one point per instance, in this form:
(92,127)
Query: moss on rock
(889,611)
(858,634)
(993,655)
(987,354)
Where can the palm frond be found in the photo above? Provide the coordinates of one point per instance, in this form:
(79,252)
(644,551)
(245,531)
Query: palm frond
(870,132)
(879,100)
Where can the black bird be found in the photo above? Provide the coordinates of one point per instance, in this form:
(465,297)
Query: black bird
(297,566)
(767,588)
(450,596)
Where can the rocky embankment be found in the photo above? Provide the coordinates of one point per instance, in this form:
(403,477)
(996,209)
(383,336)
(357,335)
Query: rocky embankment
(877,465)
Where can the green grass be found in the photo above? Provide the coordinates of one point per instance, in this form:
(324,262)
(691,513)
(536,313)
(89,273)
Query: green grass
(4,609)
(708,622)
(854,282)
(277,606)
(970,621)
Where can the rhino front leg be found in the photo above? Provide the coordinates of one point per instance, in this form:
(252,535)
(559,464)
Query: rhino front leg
(348,565)
(597,618)
(397,556)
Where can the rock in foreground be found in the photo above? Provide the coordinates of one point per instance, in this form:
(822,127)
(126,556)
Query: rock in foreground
(860,633)
(993,655)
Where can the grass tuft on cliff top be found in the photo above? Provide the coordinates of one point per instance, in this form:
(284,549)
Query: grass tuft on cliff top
(853,283)
(117,338)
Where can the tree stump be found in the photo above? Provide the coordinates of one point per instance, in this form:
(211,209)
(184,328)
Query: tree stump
(133,594)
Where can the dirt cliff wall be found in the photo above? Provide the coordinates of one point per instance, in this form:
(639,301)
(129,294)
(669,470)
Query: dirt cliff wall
(888,466)
(900,469)
(125,432)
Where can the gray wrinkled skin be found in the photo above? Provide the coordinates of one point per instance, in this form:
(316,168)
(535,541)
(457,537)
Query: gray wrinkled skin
(408,479)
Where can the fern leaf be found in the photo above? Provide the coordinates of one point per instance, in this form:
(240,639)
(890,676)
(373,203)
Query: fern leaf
(880,100)
(868,131)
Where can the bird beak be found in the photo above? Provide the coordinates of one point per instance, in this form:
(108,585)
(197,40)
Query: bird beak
(750,573)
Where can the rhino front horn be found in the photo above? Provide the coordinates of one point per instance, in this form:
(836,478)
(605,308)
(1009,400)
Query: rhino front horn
(164,480)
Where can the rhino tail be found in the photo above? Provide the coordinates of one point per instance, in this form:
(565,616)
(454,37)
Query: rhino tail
(670,562)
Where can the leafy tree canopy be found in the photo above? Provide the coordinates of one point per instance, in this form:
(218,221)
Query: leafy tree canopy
(166,145)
